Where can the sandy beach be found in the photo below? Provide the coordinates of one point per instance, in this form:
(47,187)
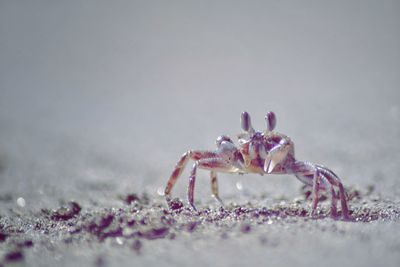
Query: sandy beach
(99,100)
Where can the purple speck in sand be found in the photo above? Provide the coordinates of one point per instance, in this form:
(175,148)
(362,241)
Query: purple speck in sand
(137,245)
(245,228)
(3,237)
(64,214)
(240,210)
(112,233)
(167,220)
(131,198)
(156,233)
(131,222)
(106,221)
(94,228)
(105,228)
(100,262)
(26,244)
(175,204)
(191,227)
(13,256)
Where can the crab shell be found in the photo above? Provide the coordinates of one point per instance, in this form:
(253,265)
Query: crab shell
(259,155)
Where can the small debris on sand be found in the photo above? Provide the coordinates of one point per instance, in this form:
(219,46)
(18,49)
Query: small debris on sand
(66,213)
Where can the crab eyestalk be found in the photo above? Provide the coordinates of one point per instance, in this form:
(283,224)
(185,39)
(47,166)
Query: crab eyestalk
(270,118)
(246,123)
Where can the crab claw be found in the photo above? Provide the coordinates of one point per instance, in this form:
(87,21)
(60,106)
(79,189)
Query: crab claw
(275,156)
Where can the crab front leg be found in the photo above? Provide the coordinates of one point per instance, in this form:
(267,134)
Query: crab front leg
(214,187)
(180,166)
(226,158)
(212,164)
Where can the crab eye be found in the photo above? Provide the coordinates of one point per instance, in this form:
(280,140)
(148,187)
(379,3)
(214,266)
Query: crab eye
(245,121)
(270,118)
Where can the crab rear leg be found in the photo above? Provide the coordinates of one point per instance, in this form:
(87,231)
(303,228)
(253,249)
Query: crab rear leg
(334,202)
(316,186)
(320,177)
(334,181)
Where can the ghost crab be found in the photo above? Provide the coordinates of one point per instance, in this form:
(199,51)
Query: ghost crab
(267,152)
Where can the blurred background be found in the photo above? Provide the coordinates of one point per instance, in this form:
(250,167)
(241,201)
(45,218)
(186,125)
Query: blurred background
(100,98)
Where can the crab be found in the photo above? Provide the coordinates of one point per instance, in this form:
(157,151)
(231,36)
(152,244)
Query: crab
(261,152)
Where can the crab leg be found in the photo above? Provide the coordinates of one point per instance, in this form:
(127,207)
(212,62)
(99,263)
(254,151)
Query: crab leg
(316,186)
(180,166)
(214,187)
(334,180)
(306,172)
(334,202)
(213,164)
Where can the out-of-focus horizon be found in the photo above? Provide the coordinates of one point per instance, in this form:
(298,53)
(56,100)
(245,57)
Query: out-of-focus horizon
(98,96)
